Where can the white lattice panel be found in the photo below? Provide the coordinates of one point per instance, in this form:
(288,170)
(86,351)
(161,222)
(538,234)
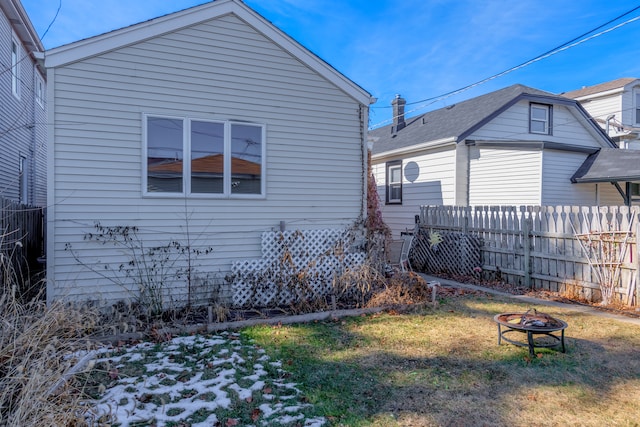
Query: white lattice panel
(312,256)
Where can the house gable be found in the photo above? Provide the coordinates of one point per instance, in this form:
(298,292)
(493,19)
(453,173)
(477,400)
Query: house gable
(189,17)
(485,151)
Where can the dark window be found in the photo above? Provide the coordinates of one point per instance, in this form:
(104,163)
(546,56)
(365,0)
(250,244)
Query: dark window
(394,182)
(222,158)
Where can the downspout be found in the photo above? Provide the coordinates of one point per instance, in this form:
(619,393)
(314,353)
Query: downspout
(608,119)
(364,120)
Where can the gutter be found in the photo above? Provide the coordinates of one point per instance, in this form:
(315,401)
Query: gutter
(438,143)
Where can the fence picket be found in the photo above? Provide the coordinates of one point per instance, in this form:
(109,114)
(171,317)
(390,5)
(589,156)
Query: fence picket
(21,244)
(535,246)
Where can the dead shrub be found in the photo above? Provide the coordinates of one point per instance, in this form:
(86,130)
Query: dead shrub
(355,286)
(402,289)
(37,344)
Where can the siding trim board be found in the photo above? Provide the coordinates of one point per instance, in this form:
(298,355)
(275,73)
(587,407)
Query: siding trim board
(550,145)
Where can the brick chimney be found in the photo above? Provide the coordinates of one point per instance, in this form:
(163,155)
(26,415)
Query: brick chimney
(398,104)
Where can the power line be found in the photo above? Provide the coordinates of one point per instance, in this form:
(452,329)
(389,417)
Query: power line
(52,21)
(564,46)
(7,69)
(546,54)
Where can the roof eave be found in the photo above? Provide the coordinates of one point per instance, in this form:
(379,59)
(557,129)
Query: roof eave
(22,26)
(412,149)
(610,179)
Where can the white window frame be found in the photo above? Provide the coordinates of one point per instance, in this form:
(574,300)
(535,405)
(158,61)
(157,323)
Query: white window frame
(186,160)
(16,47)
(39,88)
(546,122)
(395,165)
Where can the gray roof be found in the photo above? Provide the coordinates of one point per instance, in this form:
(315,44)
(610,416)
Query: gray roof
(602,87)
(609,165)
(458,120)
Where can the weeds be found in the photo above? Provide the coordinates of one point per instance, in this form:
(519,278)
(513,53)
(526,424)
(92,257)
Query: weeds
(151,268)
(36,347)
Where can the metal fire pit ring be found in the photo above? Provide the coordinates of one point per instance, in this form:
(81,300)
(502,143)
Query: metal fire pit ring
(556,325)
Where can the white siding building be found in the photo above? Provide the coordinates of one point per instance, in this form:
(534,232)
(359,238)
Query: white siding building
(515,146)
(22,108)
(208,126)
(615,105)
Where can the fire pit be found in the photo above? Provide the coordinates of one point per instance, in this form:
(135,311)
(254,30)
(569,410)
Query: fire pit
(531,323)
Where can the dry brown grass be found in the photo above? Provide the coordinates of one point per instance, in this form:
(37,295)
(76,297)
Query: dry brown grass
(36,346)
(443,367)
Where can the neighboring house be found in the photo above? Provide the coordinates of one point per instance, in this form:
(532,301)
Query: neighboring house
(614,166)
(514,146)
(615,105)
(22,108)
(208,126)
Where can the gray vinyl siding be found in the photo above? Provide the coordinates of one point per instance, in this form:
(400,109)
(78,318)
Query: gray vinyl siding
(22,125)
(557,189)
(513,125)
(601,107)
(504,176)
(219,70)
(608,195)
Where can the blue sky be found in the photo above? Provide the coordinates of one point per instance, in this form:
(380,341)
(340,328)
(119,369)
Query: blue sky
(417,48)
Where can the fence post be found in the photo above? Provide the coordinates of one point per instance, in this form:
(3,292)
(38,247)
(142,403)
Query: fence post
(637,266)
(526,243)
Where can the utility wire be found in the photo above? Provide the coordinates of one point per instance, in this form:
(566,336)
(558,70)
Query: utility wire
(52,21)
(24,57)
(564,46)
(537,58)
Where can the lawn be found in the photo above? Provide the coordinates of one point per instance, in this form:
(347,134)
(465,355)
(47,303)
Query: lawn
(443,367)
(428,367)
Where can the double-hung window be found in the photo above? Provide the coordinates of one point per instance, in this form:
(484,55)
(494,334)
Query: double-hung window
(394,182)
(540,118)
(203,158)
(15,67)
(637,106)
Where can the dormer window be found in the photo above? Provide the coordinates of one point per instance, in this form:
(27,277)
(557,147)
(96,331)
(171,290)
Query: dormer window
(540,118)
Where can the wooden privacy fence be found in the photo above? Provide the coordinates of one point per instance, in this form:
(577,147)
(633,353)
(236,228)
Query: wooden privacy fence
(21,243)
(556,248)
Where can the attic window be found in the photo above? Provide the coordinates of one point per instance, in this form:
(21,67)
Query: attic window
(540,118)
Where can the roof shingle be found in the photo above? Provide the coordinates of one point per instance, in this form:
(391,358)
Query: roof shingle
(449,122)
(602,87)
